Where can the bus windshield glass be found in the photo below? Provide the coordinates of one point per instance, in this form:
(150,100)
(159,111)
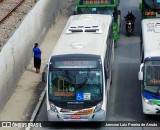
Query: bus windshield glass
(75,85)
(101,10)
(152,76)
(153,4)
(150,8)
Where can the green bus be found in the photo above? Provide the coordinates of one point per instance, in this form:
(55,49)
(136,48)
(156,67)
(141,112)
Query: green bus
(149,8)
(108,7)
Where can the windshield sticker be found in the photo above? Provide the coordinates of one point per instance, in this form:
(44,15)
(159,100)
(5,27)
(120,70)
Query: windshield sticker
(66,94)
(83,72)
(87,96)
(79,96)
(97,73)
(50,90)
(71,88)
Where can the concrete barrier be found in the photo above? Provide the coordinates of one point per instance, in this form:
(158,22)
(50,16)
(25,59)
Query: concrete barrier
(16,54)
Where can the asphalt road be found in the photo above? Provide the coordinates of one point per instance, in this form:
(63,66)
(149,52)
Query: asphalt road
(124,99)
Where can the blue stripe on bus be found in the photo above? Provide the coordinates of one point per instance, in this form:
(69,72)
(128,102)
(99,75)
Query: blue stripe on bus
(151,96)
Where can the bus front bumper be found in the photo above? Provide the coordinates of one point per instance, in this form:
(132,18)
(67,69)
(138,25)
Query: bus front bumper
(98,116)
(150,109)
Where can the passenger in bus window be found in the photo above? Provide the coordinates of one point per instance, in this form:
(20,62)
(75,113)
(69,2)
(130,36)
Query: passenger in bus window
(37,57)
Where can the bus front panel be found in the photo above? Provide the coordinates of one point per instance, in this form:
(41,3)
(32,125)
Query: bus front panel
(151,87)
(75,91)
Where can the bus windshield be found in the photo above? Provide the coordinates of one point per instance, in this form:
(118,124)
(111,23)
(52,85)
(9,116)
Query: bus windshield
(101,10)
(152,76)
(75,85)
(153,4)
(150,8)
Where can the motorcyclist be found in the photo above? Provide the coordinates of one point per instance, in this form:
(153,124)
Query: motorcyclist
(130,17)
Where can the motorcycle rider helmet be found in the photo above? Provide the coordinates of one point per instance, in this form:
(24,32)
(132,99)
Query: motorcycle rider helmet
(130,12)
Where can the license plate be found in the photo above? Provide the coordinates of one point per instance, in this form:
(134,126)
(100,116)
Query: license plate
(75,117)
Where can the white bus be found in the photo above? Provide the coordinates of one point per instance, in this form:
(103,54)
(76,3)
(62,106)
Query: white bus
(149,72)
(79,70)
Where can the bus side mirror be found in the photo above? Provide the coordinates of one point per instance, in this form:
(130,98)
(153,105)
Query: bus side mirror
(75,11)
(140,73)
(44,74)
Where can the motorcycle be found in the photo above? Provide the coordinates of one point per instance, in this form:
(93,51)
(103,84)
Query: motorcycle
(129,27)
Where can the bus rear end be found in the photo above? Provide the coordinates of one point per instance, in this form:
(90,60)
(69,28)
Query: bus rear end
(106,7)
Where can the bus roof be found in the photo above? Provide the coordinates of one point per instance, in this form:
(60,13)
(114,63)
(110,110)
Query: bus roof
(151,37)
(84,34)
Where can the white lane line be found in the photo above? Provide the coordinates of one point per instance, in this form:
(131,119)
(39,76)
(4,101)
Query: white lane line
(37,107)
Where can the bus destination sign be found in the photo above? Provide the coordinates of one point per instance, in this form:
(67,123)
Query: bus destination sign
(149,13)
(76,64)
(96,1)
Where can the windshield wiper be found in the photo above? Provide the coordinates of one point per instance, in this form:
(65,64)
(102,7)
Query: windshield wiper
(83,83)
(66,72)
(89,10)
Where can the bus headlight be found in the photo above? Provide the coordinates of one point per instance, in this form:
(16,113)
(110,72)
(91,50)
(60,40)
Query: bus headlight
(53,108)
(98,107)
(148,101)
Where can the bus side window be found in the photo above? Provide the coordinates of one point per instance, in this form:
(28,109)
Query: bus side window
(108,55)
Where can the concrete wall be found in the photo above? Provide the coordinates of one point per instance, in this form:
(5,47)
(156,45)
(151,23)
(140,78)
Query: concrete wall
(16,54)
